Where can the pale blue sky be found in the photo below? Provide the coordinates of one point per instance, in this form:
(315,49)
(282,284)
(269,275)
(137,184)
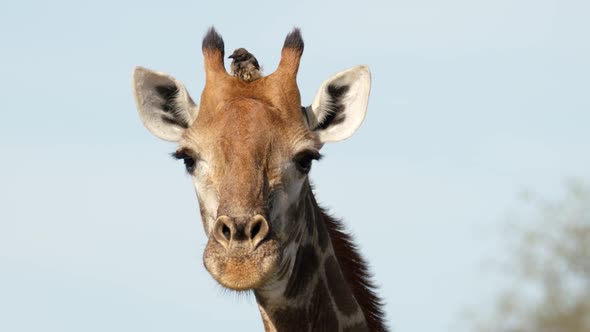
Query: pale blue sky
(472,102)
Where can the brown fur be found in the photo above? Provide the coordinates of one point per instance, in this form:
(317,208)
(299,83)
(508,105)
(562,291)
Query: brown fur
(231,138)
(245,162)
(279,91)
(306,264)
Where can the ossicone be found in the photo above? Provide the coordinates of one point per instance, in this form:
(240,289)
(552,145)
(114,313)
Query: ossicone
(291,53)
(294,41)
(213,41)
(213,53)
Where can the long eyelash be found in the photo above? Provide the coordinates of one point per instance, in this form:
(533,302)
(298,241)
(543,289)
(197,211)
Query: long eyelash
(313,154)
(182,154)
(316,155)
(189,161)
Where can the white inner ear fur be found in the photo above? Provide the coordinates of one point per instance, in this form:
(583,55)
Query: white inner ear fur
(165,107)
(340,105)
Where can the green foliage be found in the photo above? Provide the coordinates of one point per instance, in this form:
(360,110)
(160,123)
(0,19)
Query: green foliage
(549,268)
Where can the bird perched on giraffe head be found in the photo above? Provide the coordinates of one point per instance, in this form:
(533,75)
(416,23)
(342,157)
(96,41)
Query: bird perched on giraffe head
(244,65)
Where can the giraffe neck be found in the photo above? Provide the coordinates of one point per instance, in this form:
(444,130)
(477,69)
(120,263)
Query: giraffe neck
(310,292)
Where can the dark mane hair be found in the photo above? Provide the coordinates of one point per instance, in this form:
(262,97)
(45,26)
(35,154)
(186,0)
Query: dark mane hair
(356,273)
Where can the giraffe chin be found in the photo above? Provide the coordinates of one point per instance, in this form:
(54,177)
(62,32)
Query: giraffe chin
(240,268)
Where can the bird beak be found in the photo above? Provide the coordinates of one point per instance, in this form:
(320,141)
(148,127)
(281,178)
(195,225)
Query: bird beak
(231,56)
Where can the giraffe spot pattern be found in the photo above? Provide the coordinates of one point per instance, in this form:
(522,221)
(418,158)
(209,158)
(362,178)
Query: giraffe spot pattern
(339,289)
(360,327)
(295,213)
(325,316)
(291,319)
(323,237)
(309,217)
(261,300)
(304,268)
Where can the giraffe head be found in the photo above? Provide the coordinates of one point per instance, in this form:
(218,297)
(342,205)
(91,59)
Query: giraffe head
(248,147)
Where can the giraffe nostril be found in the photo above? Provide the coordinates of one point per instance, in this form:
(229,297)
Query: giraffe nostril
(223,231)
(255,229)
(259,229)
(226,232)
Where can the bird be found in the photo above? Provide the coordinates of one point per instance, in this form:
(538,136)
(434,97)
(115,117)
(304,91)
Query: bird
(244,65)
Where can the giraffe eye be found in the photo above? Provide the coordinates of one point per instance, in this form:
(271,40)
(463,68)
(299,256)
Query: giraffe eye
(304,159)
(189,162)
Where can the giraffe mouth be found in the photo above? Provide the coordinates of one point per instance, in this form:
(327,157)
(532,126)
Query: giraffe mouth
(242,267)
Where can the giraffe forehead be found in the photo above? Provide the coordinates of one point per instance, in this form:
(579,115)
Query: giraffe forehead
(247,126)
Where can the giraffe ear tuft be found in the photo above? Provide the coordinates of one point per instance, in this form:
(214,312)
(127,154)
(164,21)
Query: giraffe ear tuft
(165,107)
(340,105)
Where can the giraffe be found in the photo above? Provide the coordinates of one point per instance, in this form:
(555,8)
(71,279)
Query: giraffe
(248,147)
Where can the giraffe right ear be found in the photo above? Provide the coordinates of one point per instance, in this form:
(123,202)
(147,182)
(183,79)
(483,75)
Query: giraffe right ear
(340,105)
(165,107)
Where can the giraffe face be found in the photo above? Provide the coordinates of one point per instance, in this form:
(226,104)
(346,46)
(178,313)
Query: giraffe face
(246,175)
(248,147)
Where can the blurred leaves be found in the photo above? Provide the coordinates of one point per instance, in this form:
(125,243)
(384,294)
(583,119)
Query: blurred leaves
(548,267)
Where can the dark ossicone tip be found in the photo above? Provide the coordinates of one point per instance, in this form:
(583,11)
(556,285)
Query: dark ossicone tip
(294,40)
(213,41)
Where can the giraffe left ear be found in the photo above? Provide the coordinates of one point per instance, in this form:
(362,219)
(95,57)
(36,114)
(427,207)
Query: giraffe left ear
(165,107)
(340,105)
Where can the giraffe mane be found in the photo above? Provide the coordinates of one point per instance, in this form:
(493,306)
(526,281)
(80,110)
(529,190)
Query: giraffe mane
(356,273)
